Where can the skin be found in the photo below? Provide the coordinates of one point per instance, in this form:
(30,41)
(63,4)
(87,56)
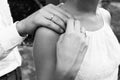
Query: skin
(44,53)
(88,16)
(41,18)
(45,39)
(71,49)
(50,68)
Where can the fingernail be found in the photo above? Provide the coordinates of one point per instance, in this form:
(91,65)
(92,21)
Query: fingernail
(61,30)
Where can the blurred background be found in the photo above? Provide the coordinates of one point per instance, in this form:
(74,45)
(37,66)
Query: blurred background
(22,8)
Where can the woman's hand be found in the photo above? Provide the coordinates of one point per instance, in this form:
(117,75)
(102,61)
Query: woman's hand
(71,49)
(49,16)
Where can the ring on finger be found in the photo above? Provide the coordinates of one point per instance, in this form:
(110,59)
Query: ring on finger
(52,17)
(57,20)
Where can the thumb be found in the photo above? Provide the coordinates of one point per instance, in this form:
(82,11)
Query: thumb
(77,26)
(70,25)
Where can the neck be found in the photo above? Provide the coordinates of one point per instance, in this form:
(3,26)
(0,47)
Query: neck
(81,6)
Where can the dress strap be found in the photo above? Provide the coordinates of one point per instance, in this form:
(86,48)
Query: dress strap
(105,15)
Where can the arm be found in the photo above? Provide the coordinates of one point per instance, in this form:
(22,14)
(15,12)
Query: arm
(9,39)
(45,53)
(69,57)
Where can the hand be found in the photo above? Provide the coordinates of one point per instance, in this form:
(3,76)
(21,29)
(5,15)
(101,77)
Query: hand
(71,49)
(49,16)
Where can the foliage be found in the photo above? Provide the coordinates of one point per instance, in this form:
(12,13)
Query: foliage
(28,68)
(20,9)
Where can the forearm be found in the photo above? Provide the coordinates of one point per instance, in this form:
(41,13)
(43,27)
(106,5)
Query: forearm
(20,26)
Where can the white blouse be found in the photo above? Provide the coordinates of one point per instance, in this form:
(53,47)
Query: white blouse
(103,55)
(10,58)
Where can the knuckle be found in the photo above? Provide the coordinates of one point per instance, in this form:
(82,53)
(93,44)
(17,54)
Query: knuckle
(50,24)
(54,26)
(50,5)
(64,18)
(47,6)
(60,22)
(41,11)
(55,18)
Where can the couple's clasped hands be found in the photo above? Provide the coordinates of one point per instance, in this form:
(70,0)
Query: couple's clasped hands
(71,49)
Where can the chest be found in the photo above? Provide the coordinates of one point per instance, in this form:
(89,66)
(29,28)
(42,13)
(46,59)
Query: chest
(100,60)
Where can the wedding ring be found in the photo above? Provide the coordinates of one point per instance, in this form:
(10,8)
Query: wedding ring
(52,17)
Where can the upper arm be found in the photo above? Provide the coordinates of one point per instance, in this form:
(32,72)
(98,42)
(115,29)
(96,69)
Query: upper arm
(45,53)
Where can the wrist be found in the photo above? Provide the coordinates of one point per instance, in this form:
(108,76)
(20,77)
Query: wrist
(21,28)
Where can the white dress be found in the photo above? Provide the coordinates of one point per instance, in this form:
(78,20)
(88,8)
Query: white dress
(103,55)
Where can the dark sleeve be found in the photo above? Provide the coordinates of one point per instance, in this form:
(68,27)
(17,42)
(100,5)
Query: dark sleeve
(44,51)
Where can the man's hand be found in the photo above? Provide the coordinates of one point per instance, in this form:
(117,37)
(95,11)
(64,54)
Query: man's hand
(49,16)
(71,49)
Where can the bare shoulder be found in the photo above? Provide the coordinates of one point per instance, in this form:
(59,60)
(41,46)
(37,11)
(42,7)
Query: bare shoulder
(46,39)
(45,32)
(45,44)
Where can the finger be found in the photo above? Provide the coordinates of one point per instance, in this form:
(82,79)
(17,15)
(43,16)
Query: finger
(77,26)
(84,50)
(57,11)
(82,55)
(82,41)
(60,39)
(60,4)
(85,43)
(58,21)
(48,15)
(51,25)
(70,26)
(65,13)
(45,13)
(58,18)
(61,10)
(83,46)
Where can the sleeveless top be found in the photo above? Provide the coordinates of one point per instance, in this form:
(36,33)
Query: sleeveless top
(102,58)
(103,54)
